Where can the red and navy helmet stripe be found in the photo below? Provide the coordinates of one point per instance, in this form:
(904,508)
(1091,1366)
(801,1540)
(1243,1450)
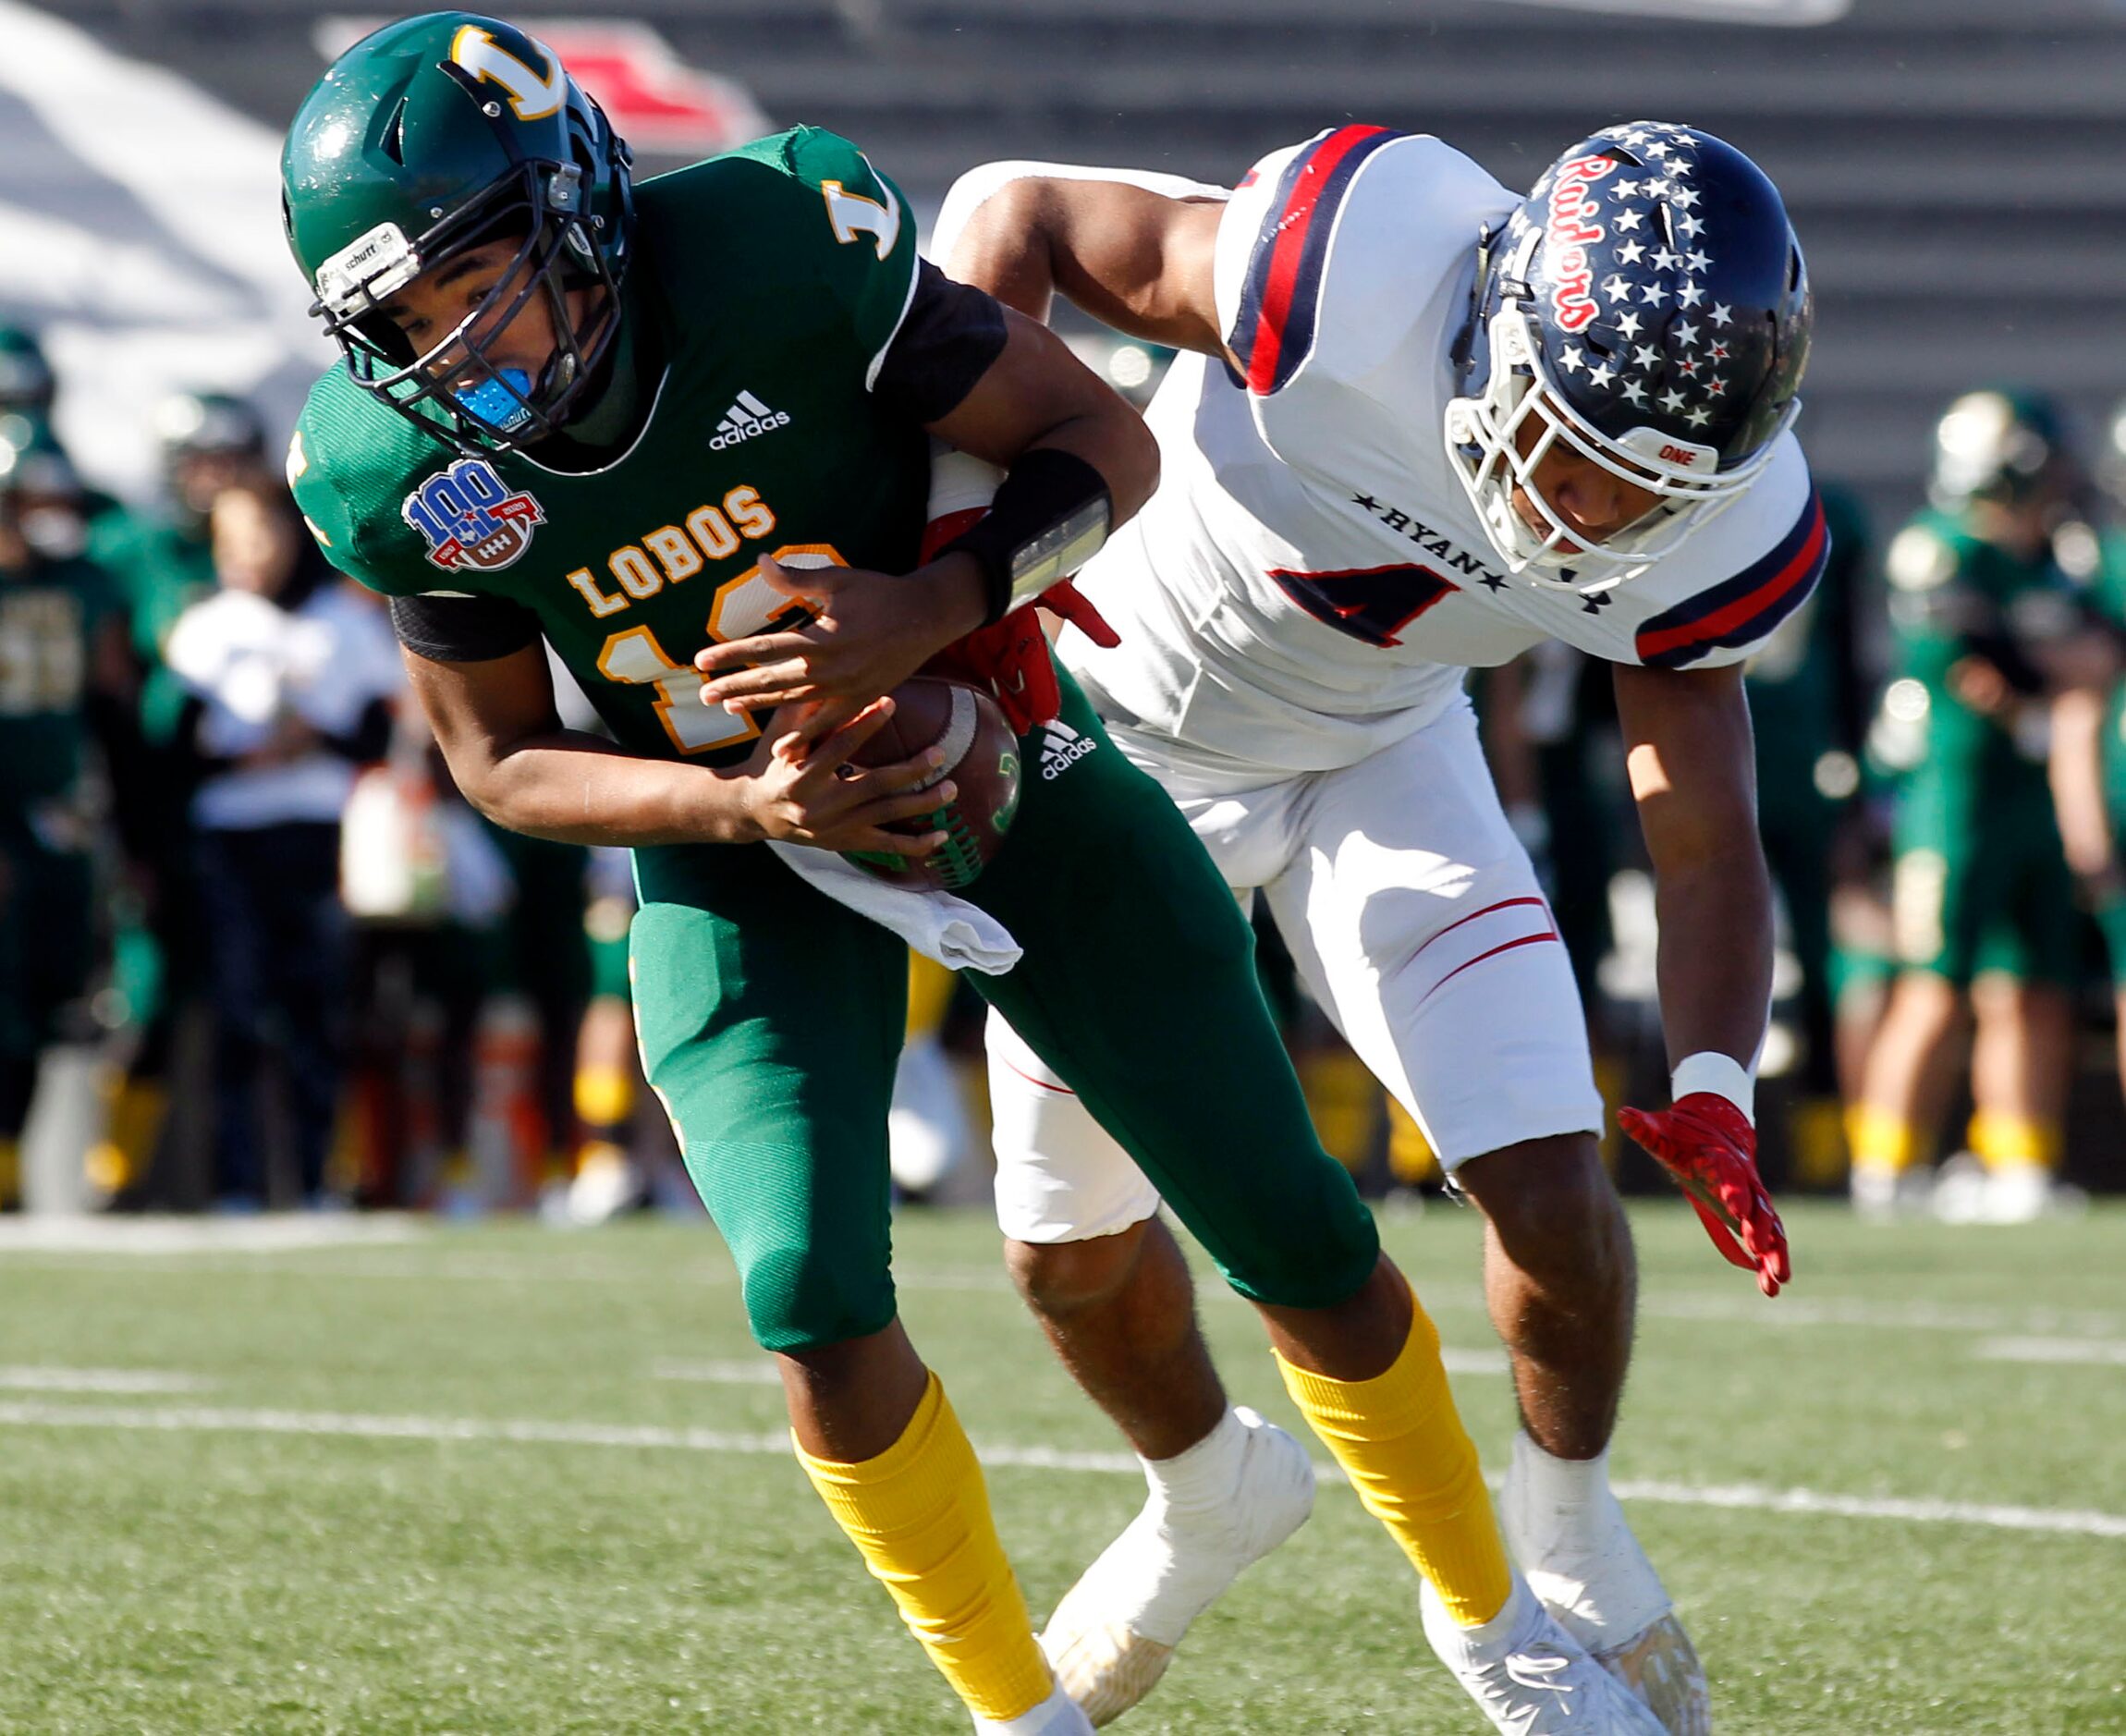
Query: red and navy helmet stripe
(1741,610)
(1275,331)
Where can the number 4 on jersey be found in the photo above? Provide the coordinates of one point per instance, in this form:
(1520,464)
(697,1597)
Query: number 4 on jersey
(1371,603)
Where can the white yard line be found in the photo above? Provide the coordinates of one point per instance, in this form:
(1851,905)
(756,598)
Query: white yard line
(2083,1352)
(756,1373)
(278,1232)
(399,1247)
(33,1413)
(39,1377)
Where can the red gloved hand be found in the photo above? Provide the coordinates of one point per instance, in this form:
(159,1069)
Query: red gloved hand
(1708,1145)
(1010,656)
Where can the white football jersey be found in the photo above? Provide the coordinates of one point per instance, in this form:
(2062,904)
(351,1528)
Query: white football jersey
(1310,580)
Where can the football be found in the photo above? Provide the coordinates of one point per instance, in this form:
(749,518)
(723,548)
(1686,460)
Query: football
(981,760)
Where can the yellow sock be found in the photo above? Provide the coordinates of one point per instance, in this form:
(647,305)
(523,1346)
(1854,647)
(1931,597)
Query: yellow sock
(1411,1159)
(930,989)
(1880,1140)
(1345,1101)
(1400,1441)
(919,1513)
(10,1172)
(1815,1126)
(2010,1142)
(605,1097)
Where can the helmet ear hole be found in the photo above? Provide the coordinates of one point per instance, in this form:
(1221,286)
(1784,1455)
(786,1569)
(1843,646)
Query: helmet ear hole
(393,143)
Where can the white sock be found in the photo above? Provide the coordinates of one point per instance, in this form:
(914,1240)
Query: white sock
(1566,1487)
(1489,1639)
(1056,1715)
(1202,1478)
(1569,1534)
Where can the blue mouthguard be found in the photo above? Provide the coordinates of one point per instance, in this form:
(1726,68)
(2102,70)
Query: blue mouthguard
(499,402)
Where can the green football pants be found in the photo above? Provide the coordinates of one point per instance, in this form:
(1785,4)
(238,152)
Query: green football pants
(771,1021)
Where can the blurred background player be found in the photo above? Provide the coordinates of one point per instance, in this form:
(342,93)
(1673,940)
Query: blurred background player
(64,674)
(161,555)
(290,672)
(1807,714)
(1989,634)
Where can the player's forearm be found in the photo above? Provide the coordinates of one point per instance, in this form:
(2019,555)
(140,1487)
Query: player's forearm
(1714,961)
(580,788)
(2075,768)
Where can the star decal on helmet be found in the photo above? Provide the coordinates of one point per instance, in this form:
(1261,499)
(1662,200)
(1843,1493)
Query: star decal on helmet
(1602,375)
(1672,399)
(1646,355)
(1630,219)
(1618,288)
(1572,358)
(1631,253)
(1691,226)
(1634,391)
(1722,313)
(1665,261)
(1629,324)
(1653,294)
(1685,333)
(1689,294)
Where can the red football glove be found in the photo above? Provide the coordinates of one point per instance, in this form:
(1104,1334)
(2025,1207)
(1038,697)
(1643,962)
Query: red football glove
(1010,656)
(1709,1147)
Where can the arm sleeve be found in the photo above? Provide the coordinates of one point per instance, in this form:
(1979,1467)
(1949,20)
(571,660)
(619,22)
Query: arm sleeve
(953,332)
(463,628)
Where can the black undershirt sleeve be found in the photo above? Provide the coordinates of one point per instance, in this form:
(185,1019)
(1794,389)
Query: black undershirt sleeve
(463,630)
(947,339)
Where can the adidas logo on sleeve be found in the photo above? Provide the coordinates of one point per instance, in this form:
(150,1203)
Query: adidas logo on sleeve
(747,416)
(1061,747)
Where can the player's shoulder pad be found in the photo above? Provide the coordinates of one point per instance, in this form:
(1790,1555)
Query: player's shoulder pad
(1330,249)
(351,463)
(1724,592)
(804,206)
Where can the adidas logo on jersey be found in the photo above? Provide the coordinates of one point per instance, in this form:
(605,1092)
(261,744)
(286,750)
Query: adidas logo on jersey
(1061,747)
(745,418)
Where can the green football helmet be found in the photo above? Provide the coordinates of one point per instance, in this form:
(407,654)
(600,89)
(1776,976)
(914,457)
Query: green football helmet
(2007,446)
(429,138)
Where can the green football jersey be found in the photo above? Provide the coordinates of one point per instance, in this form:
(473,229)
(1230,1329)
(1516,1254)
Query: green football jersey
(50,615)
(1953,594)
(162,571)
(2107,593)
(771,281)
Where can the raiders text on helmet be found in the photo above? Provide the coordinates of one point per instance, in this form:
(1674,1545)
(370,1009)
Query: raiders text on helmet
(1647,306)
(434,135)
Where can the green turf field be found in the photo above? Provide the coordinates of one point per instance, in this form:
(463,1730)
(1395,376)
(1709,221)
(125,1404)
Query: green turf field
(502,1479)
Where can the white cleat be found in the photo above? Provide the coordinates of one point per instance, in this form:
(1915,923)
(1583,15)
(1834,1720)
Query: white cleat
(1588,1571)
(1889,1196)
(1114,1633)
(1528,1675)
(1058,1714)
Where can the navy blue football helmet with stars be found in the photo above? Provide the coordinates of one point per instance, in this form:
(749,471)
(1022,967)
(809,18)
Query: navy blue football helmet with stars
(1648,305)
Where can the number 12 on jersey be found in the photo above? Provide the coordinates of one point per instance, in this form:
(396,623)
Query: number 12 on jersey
(741,607)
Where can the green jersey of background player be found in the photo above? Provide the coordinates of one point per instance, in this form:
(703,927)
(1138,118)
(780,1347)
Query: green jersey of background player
(621,419)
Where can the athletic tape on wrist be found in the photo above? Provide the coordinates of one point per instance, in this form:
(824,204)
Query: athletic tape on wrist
(1722,1075)
(1050,516)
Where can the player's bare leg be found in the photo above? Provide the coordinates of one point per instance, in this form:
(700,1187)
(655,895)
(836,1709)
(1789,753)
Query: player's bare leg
(883,1448)
(1226,1487)
(1904,1092)
(1561,1281)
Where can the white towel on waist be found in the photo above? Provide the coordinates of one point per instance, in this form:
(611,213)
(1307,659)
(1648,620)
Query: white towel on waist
(960,935)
